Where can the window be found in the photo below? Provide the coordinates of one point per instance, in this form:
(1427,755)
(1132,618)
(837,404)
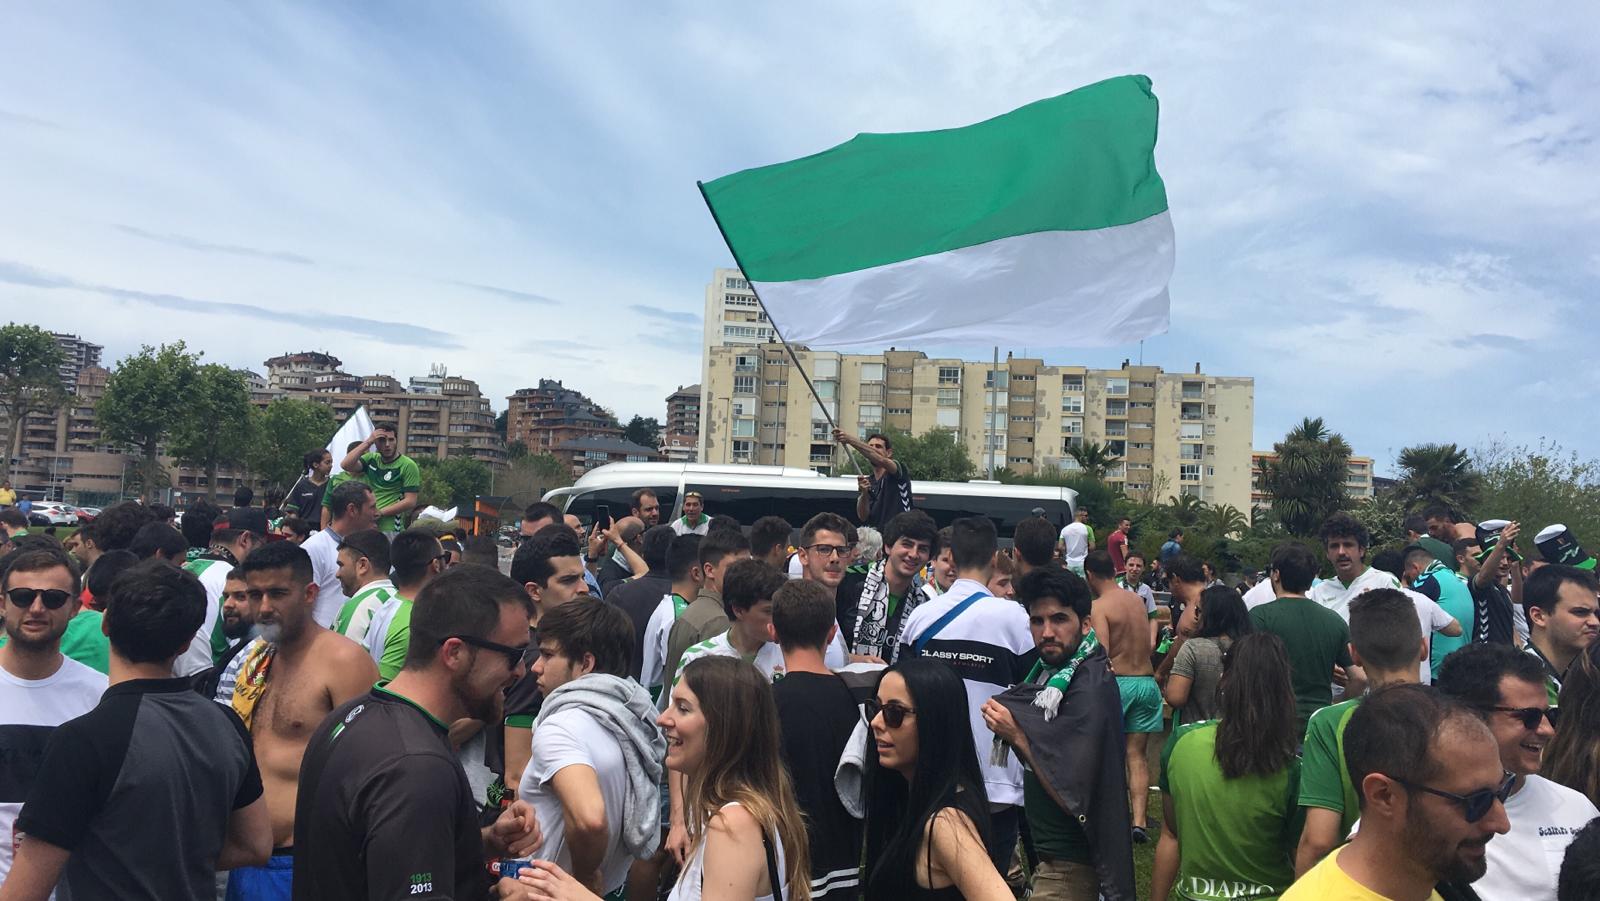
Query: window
(1072,384)
(1117,447)
(744,363)
(1211,450)
(997,421)
(948,418)
(1191,412)
(1116,427)
(1117,387)
(743,331)
(899,411)
(1194,390)
(638,458)
(1071,403)
(737,284)
(825,390)
(1188,452)
(872,392)
(999,398)
(949,375)
(1189,472)
(819,413)
(1116,408)
(1211,409)
(1071,426)
(744,428)
(996,376)
(825,368)
(742,449)
(872,413)
(744,384)
(1189,431)
(738,300)
(1150,385)
(1210,430)
(872,372)
(1211,470)
(996,442)
(775,383)
(949,397)
(1022,419)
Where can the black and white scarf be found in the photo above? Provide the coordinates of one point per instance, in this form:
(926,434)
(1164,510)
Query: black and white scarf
(872,614)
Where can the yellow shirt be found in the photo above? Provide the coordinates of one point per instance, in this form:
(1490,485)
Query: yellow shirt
(8,497)
(1326,882)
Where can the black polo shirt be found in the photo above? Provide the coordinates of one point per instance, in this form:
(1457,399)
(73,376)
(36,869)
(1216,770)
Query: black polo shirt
(888,497)
(385,810)
(140,790)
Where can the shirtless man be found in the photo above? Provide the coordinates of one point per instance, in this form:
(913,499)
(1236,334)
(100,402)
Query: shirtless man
(1123,627)
(283,685)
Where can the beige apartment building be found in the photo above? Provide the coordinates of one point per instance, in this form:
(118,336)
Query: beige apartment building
(1358,484)
(1175,433)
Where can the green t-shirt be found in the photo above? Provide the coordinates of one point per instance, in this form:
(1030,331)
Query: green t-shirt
(1055,832)
(1324,781)
(1316,638)
(1236,836)
(339,478)
(390,483)
(396,642)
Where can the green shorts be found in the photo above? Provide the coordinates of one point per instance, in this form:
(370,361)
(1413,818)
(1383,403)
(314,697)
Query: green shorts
(1141,704)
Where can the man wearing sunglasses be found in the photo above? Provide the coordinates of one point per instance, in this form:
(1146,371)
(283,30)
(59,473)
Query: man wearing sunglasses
(39,687)
(1506,688)
(1431,790)
(384,808)
(282,684)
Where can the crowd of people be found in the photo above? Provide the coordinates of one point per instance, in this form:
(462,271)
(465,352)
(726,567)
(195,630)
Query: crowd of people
(220,706)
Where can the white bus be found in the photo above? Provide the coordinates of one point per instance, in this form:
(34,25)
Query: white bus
(748,493)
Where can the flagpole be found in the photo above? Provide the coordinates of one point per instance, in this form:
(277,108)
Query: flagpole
(775,330)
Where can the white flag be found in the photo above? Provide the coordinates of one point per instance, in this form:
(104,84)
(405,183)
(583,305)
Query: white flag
(357,428)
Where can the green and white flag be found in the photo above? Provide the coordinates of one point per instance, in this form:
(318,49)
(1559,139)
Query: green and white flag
(1046,226)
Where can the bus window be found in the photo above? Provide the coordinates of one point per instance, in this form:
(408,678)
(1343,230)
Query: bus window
(748,504)
(1006,512)
(620,500)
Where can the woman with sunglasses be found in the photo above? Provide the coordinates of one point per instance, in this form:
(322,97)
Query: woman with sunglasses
(748,840)
(1192,685)
(1229,787)
(927,811)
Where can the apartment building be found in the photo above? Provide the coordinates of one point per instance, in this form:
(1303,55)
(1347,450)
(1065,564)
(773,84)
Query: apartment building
(680,433)
(1359,482)
(585,453)
(77,355)
(1174,433)
(551,414)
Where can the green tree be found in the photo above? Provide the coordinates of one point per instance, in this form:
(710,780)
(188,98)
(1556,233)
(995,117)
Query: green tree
(30,382)
(529,477)
(1437,475)
(644,431)
(516,450)
(1538,486)
(1306,481)
(215,428)
(283,433)
(1094,458)
(934,456)
(1384,516)
(144,401)
(452,481)
(501,423)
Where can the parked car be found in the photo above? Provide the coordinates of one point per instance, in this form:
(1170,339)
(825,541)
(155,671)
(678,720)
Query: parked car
(54,513)
(87,515)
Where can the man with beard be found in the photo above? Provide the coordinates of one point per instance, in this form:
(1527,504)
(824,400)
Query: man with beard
(1506,688)
(364,578)
(1431,789)
(646,507)
(872,605)
(281,686)
(40,688)
(354,509)
(1072,772)
(384,808)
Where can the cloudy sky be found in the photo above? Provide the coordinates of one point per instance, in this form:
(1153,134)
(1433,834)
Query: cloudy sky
(1385,214)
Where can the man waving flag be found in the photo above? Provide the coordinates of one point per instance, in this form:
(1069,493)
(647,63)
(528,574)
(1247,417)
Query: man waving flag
(1048,222)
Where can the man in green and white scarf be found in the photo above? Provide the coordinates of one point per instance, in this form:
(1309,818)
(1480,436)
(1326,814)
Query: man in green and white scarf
(1064,722)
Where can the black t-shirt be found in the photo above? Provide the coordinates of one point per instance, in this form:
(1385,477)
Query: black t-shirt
(638,599)
(140,790)
(888,497)
(305,500)
(816,715)
(1491,613)
(385,811)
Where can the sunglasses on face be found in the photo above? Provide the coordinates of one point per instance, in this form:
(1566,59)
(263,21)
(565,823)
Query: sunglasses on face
(1530,716)
(53,597)
(1474,805)
(894,712)
(513,655)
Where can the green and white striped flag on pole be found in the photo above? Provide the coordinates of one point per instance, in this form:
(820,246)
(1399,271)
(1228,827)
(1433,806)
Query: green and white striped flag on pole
(1046,226)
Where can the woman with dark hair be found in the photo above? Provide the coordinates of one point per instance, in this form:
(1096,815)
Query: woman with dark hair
(304,499)
(1196,673)
(1229,786)
(1573,757)
(748,839)
(927,811)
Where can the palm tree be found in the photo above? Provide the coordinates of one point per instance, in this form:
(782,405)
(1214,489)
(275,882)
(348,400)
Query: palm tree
(1093,458)
(1306,481)
(1438,475)
(1225,521)
(1186,508)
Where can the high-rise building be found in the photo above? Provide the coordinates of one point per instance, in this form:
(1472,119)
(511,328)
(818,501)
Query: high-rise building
(79,355)
(1173,433)
(1358,482)
(680,434)
(552,414)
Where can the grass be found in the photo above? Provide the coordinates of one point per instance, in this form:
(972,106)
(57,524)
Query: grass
(1144,856)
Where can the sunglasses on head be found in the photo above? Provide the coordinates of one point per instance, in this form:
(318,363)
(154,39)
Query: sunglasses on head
(1530,716)
(894,712)
(53,597)
(1474,805)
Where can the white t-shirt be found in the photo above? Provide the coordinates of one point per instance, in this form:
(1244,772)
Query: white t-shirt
(323,548)
(1260,593)
(1075,543)
(1432,618)
(213,576)
(1334,595)
(573,738)
(655,642)
(990,648)
(795,570)
(769,660)
(30,710)
(1525,862)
